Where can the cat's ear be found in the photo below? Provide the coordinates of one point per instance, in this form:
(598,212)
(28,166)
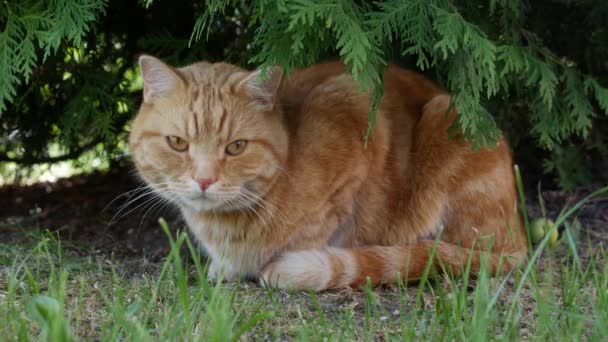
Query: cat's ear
(160,80)
(264,88)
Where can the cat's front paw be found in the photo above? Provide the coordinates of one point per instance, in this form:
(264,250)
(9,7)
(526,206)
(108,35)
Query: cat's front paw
(302,270)
(217,272)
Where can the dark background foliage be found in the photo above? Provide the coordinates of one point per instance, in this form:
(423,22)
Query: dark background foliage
(82,92)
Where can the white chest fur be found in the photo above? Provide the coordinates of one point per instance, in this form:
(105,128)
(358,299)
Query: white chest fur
(229,244)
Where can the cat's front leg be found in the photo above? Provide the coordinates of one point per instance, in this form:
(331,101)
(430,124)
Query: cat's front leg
(315,269)
(221,271)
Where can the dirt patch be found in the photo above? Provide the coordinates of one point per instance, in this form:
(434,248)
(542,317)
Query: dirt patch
(102,212)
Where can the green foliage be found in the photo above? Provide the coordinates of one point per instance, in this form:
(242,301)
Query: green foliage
(570,166)
(68,73)
(485,54)
(68,78)
(29,25)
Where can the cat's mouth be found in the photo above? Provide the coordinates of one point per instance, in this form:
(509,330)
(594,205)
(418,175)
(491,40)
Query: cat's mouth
(217,201)
(202,202)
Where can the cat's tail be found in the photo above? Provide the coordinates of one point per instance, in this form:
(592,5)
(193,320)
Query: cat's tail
(331,267)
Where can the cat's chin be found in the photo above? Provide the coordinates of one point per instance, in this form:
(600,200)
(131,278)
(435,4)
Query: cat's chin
(201,204)
(205,204)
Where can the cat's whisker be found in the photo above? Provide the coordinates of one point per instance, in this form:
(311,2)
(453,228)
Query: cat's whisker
(140,188)
(252,201)
(258,198)
(251,209)
(115,218)
(161,203)
(236,206)
(144,187)
(143,192)
(273,211)
(289,176)
(241,205)
(150,207)
(143,204)
(124,206)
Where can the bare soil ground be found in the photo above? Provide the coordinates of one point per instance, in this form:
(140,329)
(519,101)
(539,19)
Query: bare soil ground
(86,211)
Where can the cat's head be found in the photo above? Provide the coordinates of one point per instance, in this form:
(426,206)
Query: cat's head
(209,136)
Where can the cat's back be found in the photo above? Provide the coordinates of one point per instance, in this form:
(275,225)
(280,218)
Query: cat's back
(330,84)
(298,85)
(408,88)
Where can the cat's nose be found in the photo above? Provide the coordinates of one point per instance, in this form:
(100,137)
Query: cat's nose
(204,183)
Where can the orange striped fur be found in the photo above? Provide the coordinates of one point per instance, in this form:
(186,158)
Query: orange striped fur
(305,204)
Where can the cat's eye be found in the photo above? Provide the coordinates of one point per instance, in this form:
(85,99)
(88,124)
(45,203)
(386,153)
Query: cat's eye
(177,143)
(236,147)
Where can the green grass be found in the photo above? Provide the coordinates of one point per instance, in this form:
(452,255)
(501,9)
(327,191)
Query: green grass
(50,292)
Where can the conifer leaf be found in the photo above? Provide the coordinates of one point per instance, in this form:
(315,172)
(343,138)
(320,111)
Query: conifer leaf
(42,23)
(600,93)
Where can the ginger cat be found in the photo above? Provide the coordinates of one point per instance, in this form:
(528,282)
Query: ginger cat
(274,180)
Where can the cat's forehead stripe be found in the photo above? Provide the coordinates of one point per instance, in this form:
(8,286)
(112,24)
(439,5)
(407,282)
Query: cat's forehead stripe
(222,121)
(209,85)
(209,106)
(195,95)
(193,128)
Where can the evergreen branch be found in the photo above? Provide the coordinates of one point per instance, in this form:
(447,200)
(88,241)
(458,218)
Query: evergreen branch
(600,93)
(204,21)
(42,23)
(411,23)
